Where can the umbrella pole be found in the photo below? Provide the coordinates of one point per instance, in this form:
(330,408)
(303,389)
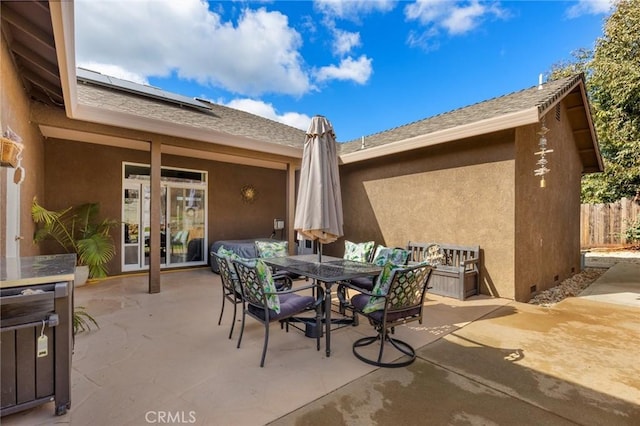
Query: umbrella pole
(319,252)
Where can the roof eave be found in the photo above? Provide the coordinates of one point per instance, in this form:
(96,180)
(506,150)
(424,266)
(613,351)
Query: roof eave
(494,124)
(62,21)
(128,121)
(51,131)
(580,84)
(62,17)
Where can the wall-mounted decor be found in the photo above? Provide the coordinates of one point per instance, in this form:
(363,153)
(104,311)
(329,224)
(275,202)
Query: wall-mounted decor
(10,151)
(542,161)
(248,193)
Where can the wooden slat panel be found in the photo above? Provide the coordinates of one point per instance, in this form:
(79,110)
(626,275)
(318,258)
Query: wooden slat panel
(45,369)
(8,368)
(606,224)
(25,365)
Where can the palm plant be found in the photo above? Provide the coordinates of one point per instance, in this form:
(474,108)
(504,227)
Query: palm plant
(77,230)
(82,320)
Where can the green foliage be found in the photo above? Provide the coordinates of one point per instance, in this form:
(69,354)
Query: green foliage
(615,91)
(76,230)
(613,82)
(580,64)
(82,320)
(632,235)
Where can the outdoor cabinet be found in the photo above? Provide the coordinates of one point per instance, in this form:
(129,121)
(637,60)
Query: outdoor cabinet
(36,333)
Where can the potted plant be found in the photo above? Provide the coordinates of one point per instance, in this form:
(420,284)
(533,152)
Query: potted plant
(77,230)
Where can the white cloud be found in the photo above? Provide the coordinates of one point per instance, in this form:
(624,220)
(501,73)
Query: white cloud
(426,40)
(463,19)
(454,17)
(345,41)
(590,7)
(352,9)
(426,11)
(259,54)
(349,69)
(116,71)
(266,110)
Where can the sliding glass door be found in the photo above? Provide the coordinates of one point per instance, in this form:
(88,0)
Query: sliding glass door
(185,227)
(183,218)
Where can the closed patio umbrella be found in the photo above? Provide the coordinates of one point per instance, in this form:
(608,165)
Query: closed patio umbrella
(319,206)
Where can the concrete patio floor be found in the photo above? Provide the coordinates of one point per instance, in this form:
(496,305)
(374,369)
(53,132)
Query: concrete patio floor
(481,361)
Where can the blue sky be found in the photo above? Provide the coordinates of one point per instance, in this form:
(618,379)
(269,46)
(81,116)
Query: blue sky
(368,66)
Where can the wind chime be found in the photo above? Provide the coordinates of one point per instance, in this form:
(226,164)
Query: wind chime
(542,161)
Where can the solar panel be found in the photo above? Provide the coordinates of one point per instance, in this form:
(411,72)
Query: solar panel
(94,77)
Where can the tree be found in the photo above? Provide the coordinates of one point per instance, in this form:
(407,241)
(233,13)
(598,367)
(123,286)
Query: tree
(581,63)
(615,90)
(613,83)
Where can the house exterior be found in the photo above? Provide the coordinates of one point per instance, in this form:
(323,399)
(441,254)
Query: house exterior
(465,177)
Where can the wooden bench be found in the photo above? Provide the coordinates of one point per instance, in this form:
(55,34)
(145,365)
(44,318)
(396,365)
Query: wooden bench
(459,274)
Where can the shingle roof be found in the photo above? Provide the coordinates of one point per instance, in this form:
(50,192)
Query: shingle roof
(492,108)
(217,118)
(224,120)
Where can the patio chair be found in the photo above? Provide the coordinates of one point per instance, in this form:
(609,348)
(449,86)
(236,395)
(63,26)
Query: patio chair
(381,256)
(231,289)
(396,299)
(266,249)
(262,302)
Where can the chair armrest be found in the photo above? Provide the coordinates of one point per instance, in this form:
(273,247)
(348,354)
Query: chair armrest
(288,282)
(359,289)
(475,261)
(297,289)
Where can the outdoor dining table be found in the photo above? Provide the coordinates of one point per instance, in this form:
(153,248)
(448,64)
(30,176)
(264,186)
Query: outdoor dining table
(328,271)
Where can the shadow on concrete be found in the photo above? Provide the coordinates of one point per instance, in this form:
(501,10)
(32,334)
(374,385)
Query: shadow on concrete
(533,366)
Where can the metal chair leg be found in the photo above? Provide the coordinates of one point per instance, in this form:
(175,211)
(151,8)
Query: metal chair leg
(266,343)
(235,309)
(242,326)
(401,346)
(222,310)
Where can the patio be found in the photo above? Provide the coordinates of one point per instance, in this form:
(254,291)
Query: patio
(164,354)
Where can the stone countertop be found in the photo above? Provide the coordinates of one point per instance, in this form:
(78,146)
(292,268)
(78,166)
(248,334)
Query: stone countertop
(25,271)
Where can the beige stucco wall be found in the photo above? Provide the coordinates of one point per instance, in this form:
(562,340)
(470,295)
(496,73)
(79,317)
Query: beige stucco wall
(15,114)
(547,219)
(79,172)
(462,193)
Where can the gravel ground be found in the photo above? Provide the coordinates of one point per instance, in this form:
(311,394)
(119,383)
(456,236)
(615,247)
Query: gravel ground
(572,286)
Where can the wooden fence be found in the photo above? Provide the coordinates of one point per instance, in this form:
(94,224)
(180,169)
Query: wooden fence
(604,225)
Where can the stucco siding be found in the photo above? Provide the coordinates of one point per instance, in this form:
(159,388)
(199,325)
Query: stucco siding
(547,219)
(15,114)
(82,172)
(462,194)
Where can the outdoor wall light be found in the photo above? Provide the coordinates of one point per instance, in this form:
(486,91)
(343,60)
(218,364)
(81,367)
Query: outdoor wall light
(248,193)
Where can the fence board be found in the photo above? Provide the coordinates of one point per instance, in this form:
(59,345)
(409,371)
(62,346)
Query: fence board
(606,224)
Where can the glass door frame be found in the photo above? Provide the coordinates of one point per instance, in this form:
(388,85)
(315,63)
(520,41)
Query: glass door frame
(141,183)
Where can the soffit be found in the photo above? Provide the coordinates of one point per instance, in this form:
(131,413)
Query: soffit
(53,132)
(27,28)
